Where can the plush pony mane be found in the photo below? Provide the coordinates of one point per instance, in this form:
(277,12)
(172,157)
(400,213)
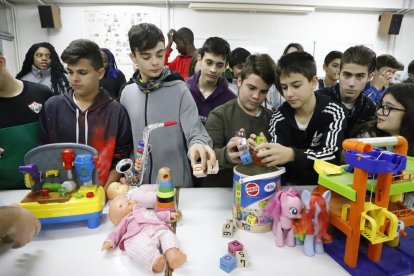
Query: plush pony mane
(273,207)
(306,223)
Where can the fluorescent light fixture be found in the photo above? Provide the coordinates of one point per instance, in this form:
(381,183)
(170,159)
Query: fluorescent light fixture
(250,7)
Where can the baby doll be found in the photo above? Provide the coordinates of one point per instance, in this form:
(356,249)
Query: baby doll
(143,234)
(145,195)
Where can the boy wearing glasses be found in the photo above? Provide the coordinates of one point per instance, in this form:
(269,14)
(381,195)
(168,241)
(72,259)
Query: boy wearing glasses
(357,65)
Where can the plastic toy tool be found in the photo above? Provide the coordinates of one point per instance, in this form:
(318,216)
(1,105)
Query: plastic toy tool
(134,171)
(68,156)
(32,177)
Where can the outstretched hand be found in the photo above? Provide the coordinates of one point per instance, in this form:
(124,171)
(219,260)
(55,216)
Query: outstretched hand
(273,154)
(202,152)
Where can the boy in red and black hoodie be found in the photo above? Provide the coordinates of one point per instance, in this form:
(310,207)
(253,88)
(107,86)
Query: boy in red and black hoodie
(87,114)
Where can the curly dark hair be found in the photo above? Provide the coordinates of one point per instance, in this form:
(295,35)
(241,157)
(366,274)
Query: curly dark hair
(58,74)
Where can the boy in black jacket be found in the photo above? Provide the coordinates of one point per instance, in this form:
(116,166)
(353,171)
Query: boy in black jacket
(306,127)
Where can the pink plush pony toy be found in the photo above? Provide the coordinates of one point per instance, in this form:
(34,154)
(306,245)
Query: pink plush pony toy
(283,208)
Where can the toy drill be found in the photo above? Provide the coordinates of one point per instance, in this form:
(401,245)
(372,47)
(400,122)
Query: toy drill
(68,156)
(84,165)
(165,193)
(32,177)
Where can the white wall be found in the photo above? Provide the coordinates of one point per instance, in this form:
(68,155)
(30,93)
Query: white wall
(319,32)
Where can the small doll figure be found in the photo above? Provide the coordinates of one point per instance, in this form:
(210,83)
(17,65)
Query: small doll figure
(143,234)
(315,222)
(284,208)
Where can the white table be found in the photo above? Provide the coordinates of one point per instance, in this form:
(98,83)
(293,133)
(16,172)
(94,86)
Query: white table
(66,249)
(199,233)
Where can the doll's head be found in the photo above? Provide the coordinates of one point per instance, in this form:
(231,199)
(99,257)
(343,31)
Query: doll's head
(119,208)
(116,189)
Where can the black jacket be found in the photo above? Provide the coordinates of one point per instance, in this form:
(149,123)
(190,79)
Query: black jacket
(322,138)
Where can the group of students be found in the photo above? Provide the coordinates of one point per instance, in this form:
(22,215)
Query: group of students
(310,123)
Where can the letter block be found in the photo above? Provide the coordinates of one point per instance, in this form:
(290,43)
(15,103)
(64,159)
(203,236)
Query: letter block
(228,263)
(235,246)
(251,220)
(241,258)
(228,230)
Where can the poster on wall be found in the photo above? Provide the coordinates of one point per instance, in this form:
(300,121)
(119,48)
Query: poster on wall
(108,27)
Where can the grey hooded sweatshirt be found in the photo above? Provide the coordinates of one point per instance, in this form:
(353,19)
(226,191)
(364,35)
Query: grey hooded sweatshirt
(171,101)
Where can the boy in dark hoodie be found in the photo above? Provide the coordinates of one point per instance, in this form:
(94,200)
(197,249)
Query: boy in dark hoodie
(208,87)
(87,114)
(156,95)
(306,127)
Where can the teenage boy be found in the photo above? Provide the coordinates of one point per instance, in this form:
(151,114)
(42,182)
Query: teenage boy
(157,95)
(208,87)
(87,114)
(331,66)
(184,41)
(306,127)
(236,61)
(385,68)
(20,105)
(357,64)
(256,77)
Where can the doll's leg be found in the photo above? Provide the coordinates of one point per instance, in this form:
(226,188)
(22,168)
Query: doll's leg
(169,245)
(143,249)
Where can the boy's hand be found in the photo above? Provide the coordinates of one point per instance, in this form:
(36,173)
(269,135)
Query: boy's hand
(202,152)
(232,150)
(17,225)
(252,141)
(381,79)
(274,154)
(170,35)
(107,245)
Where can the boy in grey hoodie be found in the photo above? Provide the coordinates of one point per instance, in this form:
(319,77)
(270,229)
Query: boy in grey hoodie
(155,95)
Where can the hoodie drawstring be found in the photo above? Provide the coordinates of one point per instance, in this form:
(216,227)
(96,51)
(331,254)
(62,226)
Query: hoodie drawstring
(77,126)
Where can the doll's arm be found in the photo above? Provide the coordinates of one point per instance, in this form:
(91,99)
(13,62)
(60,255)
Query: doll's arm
(107,245)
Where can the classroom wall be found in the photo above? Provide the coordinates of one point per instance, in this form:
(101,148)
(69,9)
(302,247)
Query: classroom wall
(319,32)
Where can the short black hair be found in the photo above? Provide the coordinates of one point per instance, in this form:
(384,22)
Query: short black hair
(144,36)
(388,61)
(297,62)
(262,65)
(332,56)
(217,46)
(83,48)
(411,67)
(294,45)
(360,55)
(185,34)
(238,56)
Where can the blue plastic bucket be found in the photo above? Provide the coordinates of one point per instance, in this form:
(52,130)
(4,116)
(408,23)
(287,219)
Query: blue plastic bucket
(253,186)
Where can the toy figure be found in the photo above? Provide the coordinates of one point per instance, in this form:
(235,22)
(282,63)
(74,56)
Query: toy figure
(283,208)
(315,222)
(143,234)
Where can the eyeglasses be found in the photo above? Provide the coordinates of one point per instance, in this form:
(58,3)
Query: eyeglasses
(386,109)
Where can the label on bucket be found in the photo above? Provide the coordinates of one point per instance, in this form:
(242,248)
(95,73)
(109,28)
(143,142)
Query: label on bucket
(250,199)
